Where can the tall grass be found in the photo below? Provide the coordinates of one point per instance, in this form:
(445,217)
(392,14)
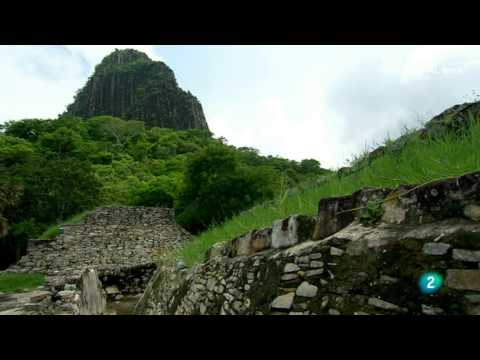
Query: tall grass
(419,161)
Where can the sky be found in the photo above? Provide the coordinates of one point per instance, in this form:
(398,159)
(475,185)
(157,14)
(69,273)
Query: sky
(300,102)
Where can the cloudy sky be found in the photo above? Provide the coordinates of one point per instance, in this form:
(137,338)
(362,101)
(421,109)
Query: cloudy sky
(322,102)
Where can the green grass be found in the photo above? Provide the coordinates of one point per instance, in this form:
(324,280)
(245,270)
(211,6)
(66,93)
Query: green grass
(54,230)
(419,162)
(12,282)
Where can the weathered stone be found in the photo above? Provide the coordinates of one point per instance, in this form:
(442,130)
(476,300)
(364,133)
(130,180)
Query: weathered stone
(238,306)
(290,267)
(283,302)
(261,240)
(466,255)
(92,301)
(307,290)
(385,279)
(66,294)
(435,248)
(394,212)
(228,297)
(300,249)
(315,256)
(472,212)
(382,304)
(333,312)
(236,293)
(311,273)
(70,287)
(219,289)
(39,296)
(333,215)
(316,264)
(473,298)
(112,290)
(336,252)
(211,282)
(302,260)
(289,277)
(431,310)
(241,245)
(463,279)
(180,265)
(360,313)
(290,231)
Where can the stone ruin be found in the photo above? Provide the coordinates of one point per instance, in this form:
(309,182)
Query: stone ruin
(122,244)
(362,254)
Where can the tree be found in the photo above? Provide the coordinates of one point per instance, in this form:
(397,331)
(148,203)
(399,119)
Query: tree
(61,143)
(116,130)
(159,192)
(310,166)
(28,129)
(216,187)
(56,189)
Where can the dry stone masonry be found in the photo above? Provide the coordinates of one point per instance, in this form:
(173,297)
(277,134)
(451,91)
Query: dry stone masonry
(88,298)
(362,254)
(122,244)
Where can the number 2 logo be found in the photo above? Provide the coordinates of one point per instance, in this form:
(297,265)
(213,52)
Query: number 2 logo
(430,282)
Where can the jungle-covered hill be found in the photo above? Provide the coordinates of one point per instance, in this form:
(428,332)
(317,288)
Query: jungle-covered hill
(53,169)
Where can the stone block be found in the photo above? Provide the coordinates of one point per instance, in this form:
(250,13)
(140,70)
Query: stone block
(435,248)
(283,302)
(463,279)
(290,231)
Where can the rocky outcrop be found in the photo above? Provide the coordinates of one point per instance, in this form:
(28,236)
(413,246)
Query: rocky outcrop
(362,254)
(129,85)
(122,244)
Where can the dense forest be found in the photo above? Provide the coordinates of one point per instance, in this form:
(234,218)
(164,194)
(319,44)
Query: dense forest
(53,169)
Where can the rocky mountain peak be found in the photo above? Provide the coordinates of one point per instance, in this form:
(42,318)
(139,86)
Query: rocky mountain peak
(130,85)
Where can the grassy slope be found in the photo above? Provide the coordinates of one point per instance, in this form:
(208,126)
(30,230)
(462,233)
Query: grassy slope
(11,282)
(420,162)
(54,230)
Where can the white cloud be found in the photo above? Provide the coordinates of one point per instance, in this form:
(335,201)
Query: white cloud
(40,81)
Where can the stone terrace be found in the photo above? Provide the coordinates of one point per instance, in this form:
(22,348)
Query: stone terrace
(112,240)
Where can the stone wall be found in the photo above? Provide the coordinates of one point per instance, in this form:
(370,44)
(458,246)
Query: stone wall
(121,243)
(362,254)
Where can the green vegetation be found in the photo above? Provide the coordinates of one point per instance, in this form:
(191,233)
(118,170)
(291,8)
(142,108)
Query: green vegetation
(419,161)
(12,283)
(52,170)
(371,214)
(54,230)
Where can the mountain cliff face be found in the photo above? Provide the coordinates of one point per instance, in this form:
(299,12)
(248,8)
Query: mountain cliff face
(129,85)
